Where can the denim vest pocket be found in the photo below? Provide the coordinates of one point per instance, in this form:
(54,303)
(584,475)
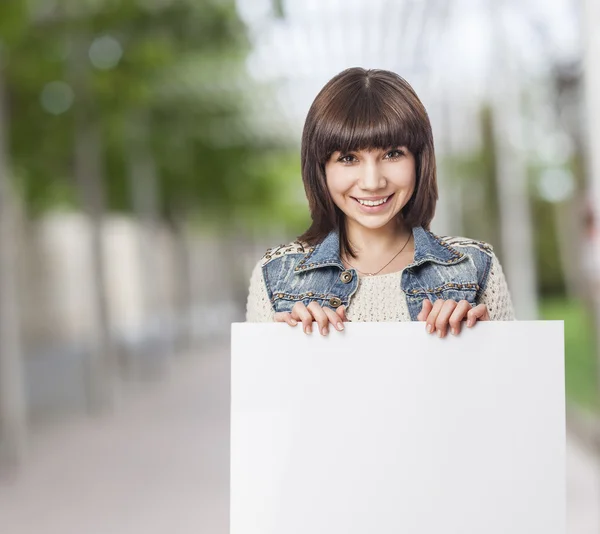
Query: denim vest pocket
(324,286)
(434,281)
(449,291)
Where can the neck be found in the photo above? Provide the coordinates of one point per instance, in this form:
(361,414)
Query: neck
(372,243)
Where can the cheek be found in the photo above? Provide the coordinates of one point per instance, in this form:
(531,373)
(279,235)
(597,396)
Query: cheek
(337,182)
(405,176)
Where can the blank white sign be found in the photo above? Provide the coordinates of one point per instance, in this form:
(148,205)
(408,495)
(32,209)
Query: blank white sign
(384,429)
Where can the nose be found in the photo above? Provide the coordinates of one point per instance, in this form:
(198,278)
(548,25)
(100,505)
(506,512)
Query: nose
(371,177)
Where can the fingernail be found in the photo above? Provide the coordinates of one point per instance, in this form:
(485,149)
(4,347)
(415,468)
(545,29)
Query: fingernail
(308,330)
(440,333)
(454,332)
(470,323)
(339,326)
(294,322)
(429,328)
(325,331)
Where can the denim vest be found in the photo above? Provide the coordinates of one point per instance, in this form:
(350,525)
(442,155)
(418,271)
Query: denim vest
(448,268)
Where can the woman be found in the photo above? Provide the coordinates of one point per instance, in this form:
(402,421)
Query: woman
(368,168)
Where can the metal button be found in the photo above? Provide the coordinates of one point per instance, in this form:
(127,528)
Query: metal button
(346,277)
(335,302)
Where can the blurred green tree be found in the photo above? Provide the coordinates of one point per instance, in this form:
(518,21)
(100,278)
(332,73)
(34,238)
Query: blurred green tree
(170,73)
(133,105)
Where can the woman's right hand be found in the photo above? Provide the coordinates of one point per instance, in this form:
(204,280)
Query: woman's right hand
(313,312)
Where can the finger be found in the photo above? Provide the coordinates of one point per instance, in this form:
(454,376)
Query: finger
(459,313)
(478,313)
(300,313)
(334,318)
(433,314)
(279,317)
(285,317)
(319,314)
(443,318)
(341,312)
(425,310)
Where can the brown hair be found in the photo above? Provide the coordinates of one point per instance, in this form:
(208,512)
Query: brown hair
(362,109)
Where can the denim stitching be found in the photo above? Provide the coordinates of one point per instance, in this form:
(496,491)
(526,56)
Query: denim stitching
(441,289)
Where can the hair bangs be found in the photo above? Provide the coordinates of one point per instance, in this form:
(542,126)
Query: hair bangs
(366,123)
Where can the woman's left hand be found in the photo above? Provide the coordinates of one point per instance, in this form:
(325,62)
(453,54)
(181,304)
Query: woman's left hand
(449,313)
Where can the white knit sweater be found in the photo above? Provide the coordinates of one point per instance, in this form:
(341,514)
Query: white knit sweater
(380,298)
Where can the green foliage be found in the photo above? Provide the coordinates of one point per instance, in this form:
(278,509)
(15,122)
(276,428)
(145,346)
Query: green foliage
(550,274)
(580,357)
(287,204)
(13,18)
(477,172)
(180,76)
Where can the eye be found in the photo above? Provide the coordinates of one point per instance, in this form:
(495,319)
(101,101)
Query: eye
(394,154)
(348,158)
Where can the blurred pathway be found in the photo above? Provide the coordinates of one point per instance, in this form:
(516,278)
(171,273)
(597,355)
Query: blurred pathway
(583,489)
(160,465)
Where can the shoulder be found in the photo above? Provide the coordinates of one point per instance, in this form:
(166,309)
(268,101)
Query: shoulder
(278,263)
(285,250)
(489,270)
(481,254)
(467,245)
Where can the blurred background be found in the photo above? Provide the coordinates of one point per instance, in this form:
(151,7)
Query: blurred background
(149,154)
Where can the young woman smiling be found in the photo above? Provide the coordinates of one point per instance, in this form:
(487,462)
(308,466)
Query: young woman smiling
(368,167)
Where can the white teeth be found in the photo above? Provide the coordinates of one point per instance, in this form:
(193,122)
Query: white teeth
(373,202)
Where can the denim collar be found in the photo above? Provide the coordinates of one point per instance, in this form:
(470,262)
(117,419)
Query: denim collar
(428,247)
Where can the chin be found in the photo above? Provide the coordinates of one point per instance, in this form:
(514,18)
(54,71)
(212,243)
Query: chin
(372,223)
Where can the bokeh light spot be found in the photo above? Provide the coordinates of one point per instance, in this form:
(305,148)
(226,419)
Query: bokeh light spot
(105,52)
(556,185)
(57,97)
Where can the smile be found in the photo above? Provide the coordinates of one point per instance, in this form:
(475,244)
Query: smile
(370,205)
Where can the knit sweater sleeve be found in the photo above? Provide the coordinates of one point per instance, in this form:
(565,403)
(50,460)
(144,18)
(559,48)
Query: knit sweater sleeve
(258,306)
(496,295)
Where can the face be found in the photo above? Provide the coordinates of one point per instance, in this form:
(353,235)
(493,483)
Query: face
(371,186)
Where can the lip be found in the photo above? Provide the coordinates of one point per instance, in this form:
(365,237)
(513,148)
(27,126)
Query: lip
(373,198)
(374,209)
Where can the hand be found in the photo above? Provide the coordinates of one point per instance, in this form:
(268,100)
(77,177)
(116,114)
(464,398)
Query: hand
(313,312)
(449,312)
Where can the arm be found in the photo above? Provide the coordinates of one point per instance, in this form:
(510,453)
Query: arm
(496,295)
(258,306)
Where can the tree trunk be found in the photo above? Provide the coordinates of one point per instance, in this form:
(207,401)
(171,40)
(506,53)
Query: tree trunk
(184,298)
(514,206)
(13,417)
(569,232)
(144,193)
(591,20)
(449,211)
(88,175)
(512,180)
